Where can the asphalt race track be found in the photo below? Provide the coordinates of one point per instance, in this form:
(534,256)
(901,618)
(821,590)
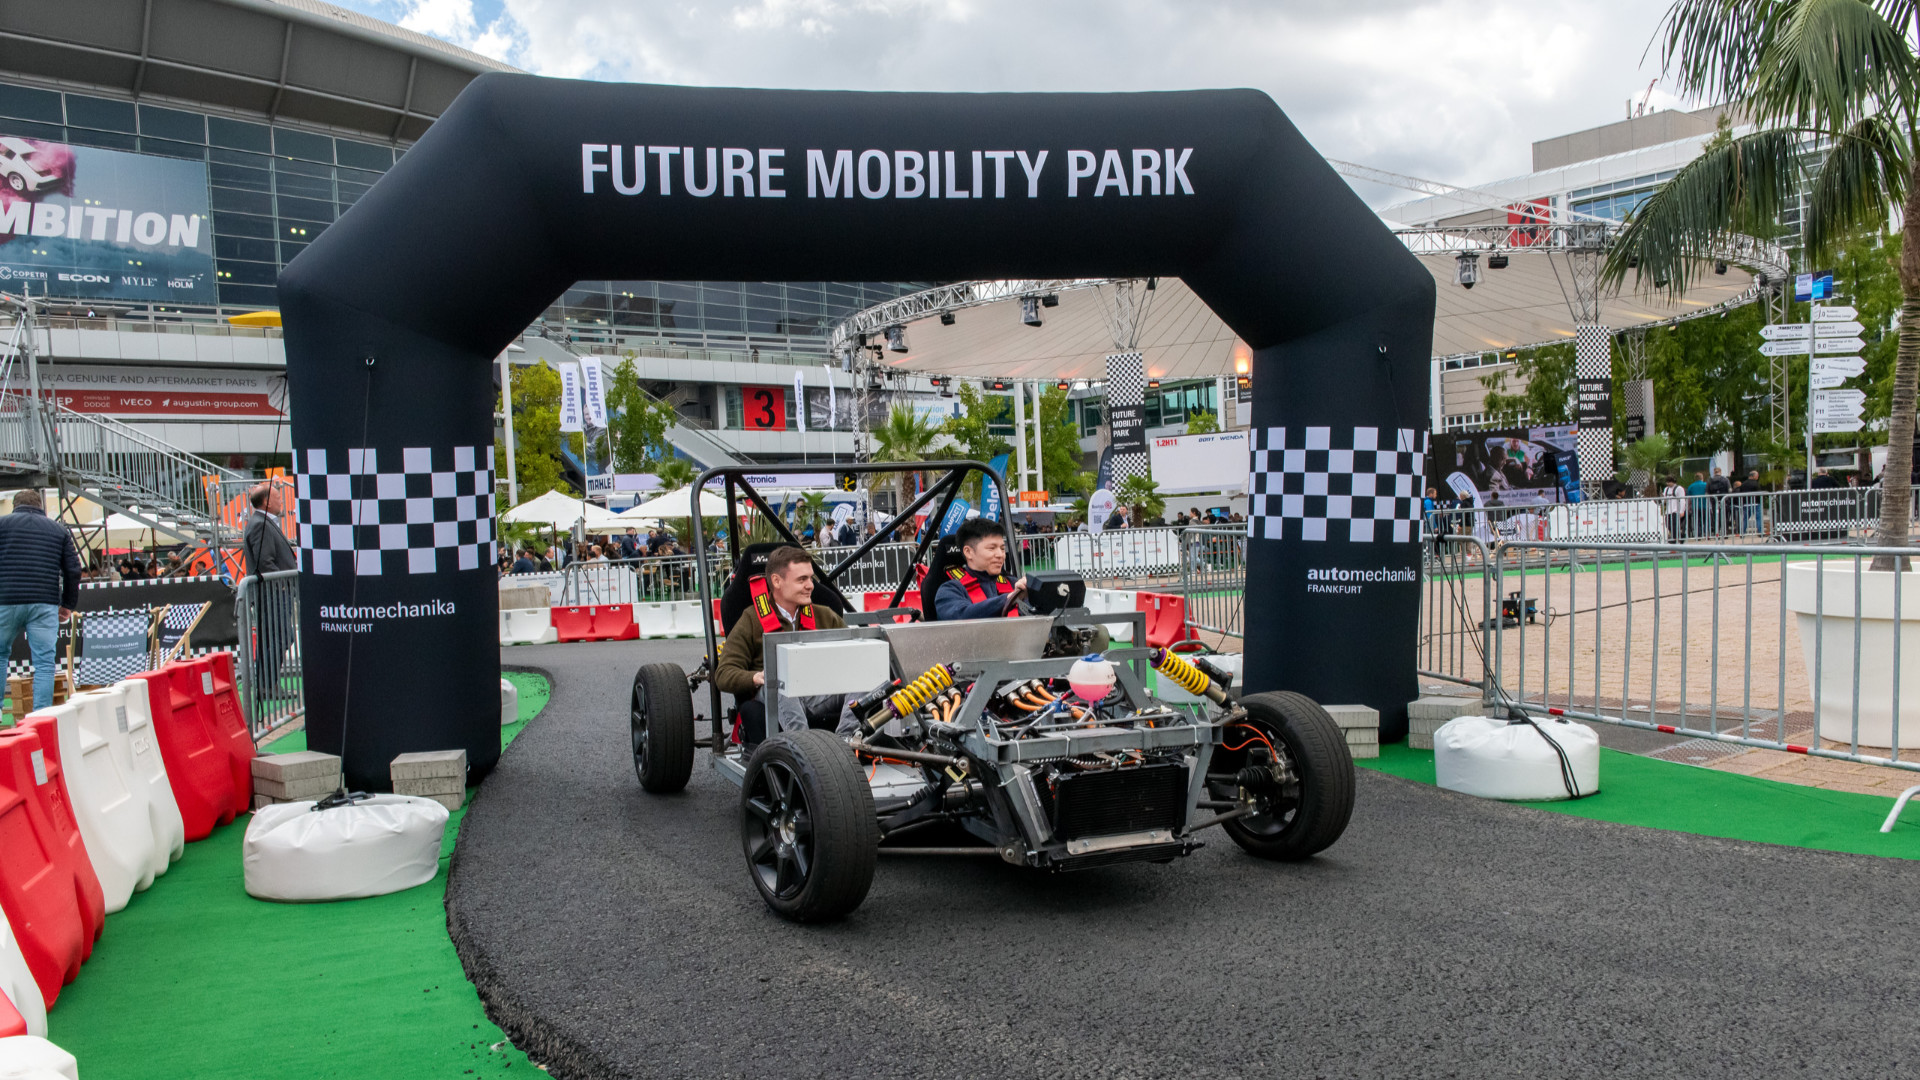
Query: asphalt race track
(615,934)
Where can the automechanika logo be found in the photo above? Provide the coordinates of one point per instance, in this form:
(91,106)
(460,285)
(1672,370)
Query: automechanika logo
(1351,582)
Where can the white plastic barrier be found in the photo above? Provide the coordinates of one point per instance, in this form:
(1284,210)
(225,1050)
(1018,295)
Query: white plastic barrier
(30,1057)
(527,626)
(16,982)
(374,847)
(509,702)
(1493,759)
(109,802)
(141,752)
(654,620)
(687,616)
(1106,601)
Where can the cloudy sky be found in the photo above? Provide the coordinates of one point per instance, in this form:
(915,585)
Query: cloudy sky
(1453,90)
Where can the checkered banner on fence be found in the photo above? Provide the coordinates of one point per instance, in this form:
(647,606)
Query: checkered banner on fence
(113,645)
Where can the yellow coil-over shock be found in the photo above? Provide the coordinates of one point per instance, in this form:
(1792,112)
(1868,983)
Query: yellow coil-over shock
(1192,679)
(909,698)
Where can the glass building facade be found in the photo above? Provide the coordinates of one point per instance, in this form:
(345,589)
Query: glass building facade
(274,188)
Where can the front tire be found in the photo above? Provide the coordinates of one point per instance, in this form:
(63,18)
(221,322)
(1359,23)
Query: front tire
(807,827)
(661,722)
(1306,816)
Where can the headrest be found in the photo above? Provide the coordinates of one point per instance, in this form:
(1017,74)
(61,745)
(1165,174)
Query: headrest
(753,563)
(944,556)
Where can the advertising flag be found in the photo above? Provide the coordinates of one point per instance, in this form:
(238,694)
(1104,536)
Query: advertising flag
(595,391)
(570,419)
(800,398)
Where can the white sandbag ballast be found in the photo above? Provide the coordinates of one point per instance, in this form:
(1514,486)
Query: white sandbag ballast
(1494,759)
(509,702)
(379,845)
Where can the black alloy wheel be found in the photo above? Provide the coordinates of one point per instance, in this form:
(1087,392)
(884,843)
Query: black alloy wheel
(807,826)
(1308,813)
(661,721)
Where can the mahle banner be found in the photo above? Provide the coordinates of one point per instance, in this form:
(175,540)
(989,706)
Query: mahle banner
(82,223)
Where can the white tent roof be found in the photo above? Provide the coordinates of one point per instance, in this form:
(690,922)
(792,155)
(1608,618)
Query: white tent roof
(1182,338)
(560,511)
(677,504)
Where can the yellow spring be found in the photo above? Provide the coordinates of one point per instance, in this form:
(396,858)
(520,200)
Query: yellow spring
(910,697)
(1181,670)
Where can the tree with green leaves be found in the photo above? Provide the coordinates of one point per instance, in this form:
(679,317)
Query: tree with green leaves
(639,420)
(1143,495)
(971,430)
(1202,422)
(1838,73)
(674,473)
(1648,460)
(908,435)
(1062,467)
(536,434)
(1547,397)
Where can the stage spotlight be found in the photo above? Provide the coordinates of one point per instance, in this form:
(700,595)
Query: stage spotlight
(1242,381)
(1719,266)
(1030,310)
(1050,300)
(996,384)
(1063,385)
(1510,355)
(1153,384)
(1466,269)
(946,318)
(1497,261)
(896,338)
(1153,283)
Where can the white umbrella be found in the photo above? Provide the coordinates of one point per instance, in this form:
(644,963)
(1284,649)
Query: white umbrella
(679,504)
(559,511)
(123,531)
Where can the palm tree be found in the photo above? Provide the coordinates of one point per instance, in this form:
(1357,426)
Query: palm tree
(1842,73)
(1648,460)
(675,472)
(906,436)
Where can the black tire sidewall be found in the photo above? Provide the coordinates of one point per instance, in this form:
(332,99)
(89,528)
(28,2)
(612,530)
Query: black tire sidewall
(1320,758)
(669,736)
(846,832)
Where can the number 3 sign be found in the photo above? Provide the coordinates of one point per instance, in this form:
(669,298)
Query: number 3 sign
(763,408)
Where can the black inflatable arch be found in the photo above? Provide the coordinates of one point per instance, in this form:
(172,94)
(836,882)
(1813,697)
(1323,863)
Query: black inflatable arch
(526,185)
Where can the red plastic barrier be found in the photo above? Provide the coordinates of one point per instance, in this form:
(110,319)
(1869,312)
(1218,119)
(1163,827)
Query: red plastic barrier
(716,618)
(47,885)
(604,622)
(229,720)
(1166,618)
(210,781)
(11,1022)
(875,601)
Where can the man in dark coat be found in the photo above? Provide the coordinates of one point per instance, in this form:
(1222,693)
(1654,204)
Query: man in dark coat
(39,585)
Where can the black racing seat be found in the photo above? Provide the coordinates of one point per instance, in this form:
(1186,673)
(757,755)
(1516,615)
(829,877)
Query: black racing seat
(738,594)
(945,556)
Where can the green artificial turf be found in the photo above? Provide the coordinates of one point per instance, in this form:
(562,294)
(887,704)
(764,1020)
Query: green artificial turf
(1659,794)
(196,979)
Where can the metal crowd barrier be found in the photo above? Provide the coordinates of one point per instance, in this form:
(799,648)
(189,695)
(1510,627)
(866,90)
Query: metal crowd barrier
(1213,577)
(1456,601)
(1818,515)
(270,674)
(1781,647)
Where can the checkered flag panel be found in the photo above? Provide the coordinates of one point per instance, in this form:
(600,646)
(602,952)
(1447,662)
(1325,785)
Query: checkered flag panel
(1593,359)
(432,512)
(113,645)
(1321,483)
(1126,385)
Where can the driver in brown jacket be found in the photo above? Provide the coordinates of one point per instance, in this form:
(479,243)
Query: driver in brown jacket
(782,602)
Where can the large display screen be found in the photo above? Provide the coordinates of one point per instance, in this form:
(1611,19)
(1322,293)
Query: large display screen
(82,223)
(1518,467)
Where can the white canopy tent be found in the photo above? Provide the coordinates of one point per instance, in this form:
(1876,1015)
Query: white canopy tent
(676,504)
(560,512)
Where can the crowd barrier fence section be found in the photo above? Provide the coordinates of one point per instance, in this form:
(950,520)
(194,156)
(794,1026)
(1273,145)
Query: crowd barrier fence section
(1799,515)
(1213,578)
(22,1010)
(611,622)
(109,802)
(47,885)
(1800,648)
(272,684)
(527,626)
(139,746)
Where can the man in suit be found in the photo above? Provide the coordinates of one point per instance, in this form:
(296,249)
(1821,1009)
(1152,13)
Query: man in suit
(268,551)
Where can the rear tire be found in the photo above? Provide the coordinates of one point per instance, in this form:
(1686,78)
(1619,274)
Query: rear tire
(807,827)
(1308,816)
(661,722)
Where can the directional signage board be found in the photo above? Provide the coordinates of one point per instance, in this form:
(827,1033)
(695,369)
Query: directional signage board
(1837,328)
(1825,380)
(1838,345)
(1785,348)
(1837,410)
(1785,331)
(1833,314)
(1844,366)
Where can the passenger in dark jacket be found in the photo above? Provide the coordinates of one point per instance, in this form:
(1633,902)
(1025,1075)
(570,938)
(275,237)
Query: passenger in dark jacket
(39,585)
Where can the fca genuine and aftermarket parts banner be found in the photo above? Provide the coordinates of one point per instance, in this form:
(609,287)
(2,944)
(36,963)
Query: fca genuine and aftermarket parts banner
(83,223)
(118,390)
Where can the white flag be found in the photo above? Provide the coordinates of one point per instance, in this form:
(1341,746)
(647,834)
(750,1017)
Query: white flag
(570,398)
(833,402)
(595,390)
(800,398)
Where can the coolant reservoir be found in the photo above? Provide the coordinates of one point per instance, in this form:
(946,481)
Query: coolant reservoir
(1478,755)
(1091,678)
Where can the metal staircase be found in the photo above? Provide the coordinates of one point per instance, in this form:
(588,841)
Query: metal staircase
(126,470)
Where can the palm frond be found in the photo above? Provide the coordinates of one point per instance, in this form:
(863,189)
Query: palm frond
(1865,173)
(1736,187)
(1713,47)
(1830,64)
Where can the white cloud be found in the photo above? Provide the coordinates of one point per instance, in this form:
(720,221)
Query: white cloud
(1455,90)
